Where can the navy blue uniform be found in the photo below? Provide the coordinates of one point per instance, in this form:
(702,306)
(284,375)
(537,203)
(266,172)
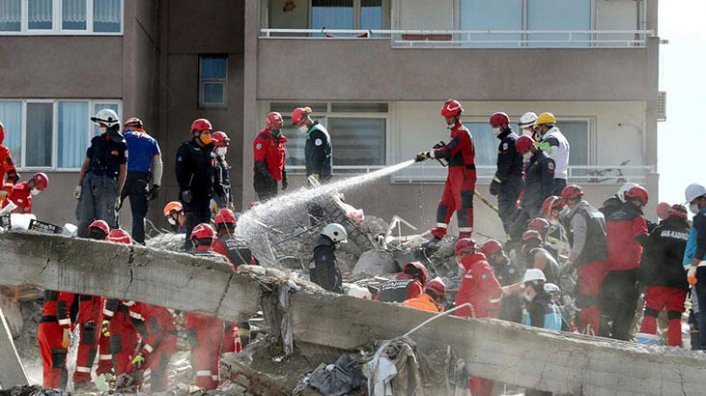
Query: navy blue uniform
(195,169)
(507,183)
(323,269)
(221,186)
(539,182)
(317,152)
(543,312)
(510,306)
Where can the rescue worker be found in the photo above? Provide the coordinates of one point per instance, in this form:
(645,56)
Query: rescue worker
(20,197)
(195,169)
(556,235)
(407,285)
(159,342)
(103,174)
(226,242)
(662,211)
(539,181)
(118,327)
(269,155)
(481,289)
(205,332)
(626,231)
(174,213)
(587,235)
(317,151)
(616,201)
(461,181)
(538,257)
(432,300)
(144,174)
(90,317)
(507,183)
(507,274)
(222,190)
(8,173)
(543,312)
(557,146)
(323,268)
(695,253)
(661,270)
(54,336)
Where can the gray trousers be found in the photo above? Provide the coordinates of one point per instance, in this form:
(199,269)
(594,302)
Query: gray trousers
(97,202)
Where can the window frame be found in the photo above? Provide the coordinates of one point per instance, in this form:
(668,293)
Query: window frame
(22,165)
(357,7)
(57,22)
(202,83)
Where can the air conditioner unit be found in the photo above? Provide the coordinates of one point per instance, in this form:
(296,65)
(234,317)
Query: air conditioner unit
(661,106)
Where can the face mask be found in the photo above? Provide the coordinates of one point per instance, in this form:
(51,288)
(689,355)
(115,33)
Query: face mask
(526,295)
(34,191)
(497,131)
(694,208)
(171,220)
(221,151)
(103,129)
(526,156)
(205,138)
(303,129)
(554,221)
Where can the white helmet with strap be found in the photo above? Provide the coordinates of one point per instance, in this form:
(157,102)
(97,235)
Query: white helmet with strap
(107,117)
(335,232)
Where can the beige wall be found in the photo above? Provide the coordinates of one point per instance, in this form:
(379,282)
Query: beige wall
(423,14)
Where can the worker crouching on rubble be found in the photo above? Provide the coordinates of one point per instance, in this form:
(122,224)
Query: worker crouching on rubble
(20,196)
(507,274)
(409,284)
(540,307)
(323,268)
(174,213)
(432,299)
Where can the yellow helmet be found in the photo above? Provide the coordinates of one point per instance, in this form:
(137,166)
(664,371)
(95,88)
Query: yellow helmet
(545,118)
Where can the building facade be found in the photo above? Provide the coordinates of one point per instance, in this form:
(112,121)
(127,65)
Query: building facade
(375,72)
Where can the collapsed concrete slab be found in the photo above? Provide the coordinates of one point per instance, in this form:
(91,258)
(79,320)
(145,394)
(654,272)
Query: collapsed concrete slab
(557,362)
(11,372)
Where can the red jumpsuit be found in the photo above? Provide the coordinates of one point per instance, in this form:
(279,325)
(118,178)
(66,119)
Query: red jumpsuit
(460,183)
(231,337)
(19,195)
(123,337)
(480,288)
(269,155)
(50,334)
(90,317)
(7,166)
(156,325)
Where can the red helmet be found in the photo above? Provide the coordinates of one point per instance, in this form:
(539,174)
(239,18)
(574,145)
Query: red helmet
(637,192)
(531,234)
(100,225)
(491,247)
(678,211)
(523,144)
(451,108)
(220,139)
(465,246)
(540,225)
(201,125)
(41,181)
(203,231)
(119,236)
(498,119)
(415,268)
(573,191)
(225,216)
(299,115)
(552,202)
(134,122)
(274,120)
(438,287)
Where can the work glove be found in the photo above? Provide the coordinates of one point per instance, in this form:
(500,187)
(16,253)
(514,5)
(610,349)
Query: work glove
(186,196)
(138,361)
(77,192)
(544,146)
(495,187)
(104,328)
(422,156)
(154,192)
(118,203)
(691,275)
(66,339)
(284,180)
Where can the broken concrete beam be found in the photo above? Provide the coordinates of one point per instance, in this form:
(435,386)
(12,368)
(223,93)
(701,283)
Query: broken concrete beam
(11,371)
(551,361)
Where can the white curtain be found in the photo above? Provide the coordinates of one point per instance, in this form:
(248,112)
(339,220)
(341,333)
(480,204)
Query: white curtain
(39,134)
(74,11)
(73,138)
(10,11)
(332,14)
(40,11)
(106,11)
(11,118)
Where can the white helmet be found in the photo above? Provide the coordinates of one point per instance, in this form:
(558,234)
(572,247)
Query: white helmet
(335,232)
(694,191)
(551,288)
(107,117)
(527,119)
(623,189)
(533,274)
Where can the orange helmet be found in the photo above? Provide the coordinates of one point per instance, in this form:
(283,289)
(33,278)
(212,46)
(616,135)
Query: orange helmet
(299,115)
(274,120)
(174,206)
(119,236)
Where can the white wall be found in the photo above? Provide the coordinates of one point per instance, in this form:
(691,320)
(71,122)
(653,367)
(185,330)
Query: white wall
(423,14)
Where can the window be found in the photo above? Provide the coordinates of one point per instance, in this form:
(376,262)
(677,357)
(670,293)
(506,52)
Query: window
(492,15)
(50,134)
(558,15)
(349,14)
(576,133)
(358,133)
(43,17)
(213,81)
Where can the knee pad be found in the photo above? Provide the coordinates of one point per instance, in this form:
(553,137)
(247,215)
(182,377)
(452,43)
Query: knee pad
(88,336)
(58,358)
(671,315)
(116,344)
(467,199)
(651,312)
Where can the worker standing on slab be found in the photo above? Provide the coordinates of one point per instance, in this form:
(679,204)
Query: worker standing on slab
(432,300)
(269,151)
(8,173)
(54,336)
(144,174)
(409,284)
(589,256)
(626,233)
(661,270)
(174,213)
(103,174)
(195,170)
(317,151)
(221,187)
(507,274)
(695,253)
(20,198)
(323,267)
(557,146)
(205,333)
(159,342)
(507,182)
(461,181)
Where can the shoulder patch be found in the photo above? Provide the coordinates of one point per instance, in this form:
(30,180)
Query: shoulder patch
(505,146)
(258,146)
(550,165)
(318,142)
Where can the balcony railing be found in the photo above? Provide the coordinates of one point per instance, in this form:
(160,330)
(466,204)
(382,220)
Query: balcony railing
(477,38)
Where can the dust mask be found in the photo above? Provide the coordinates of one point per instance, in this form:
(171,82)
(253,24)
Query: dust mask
(171,221)
(497,131)
(103,129)
(694,208)
(34,191)
(221,151)
(527,296)
(303,129)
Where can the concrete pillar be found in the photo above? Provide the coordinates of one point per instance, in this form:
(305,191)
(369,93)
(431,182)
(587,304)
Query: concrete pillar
(11,371)
(250,108)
